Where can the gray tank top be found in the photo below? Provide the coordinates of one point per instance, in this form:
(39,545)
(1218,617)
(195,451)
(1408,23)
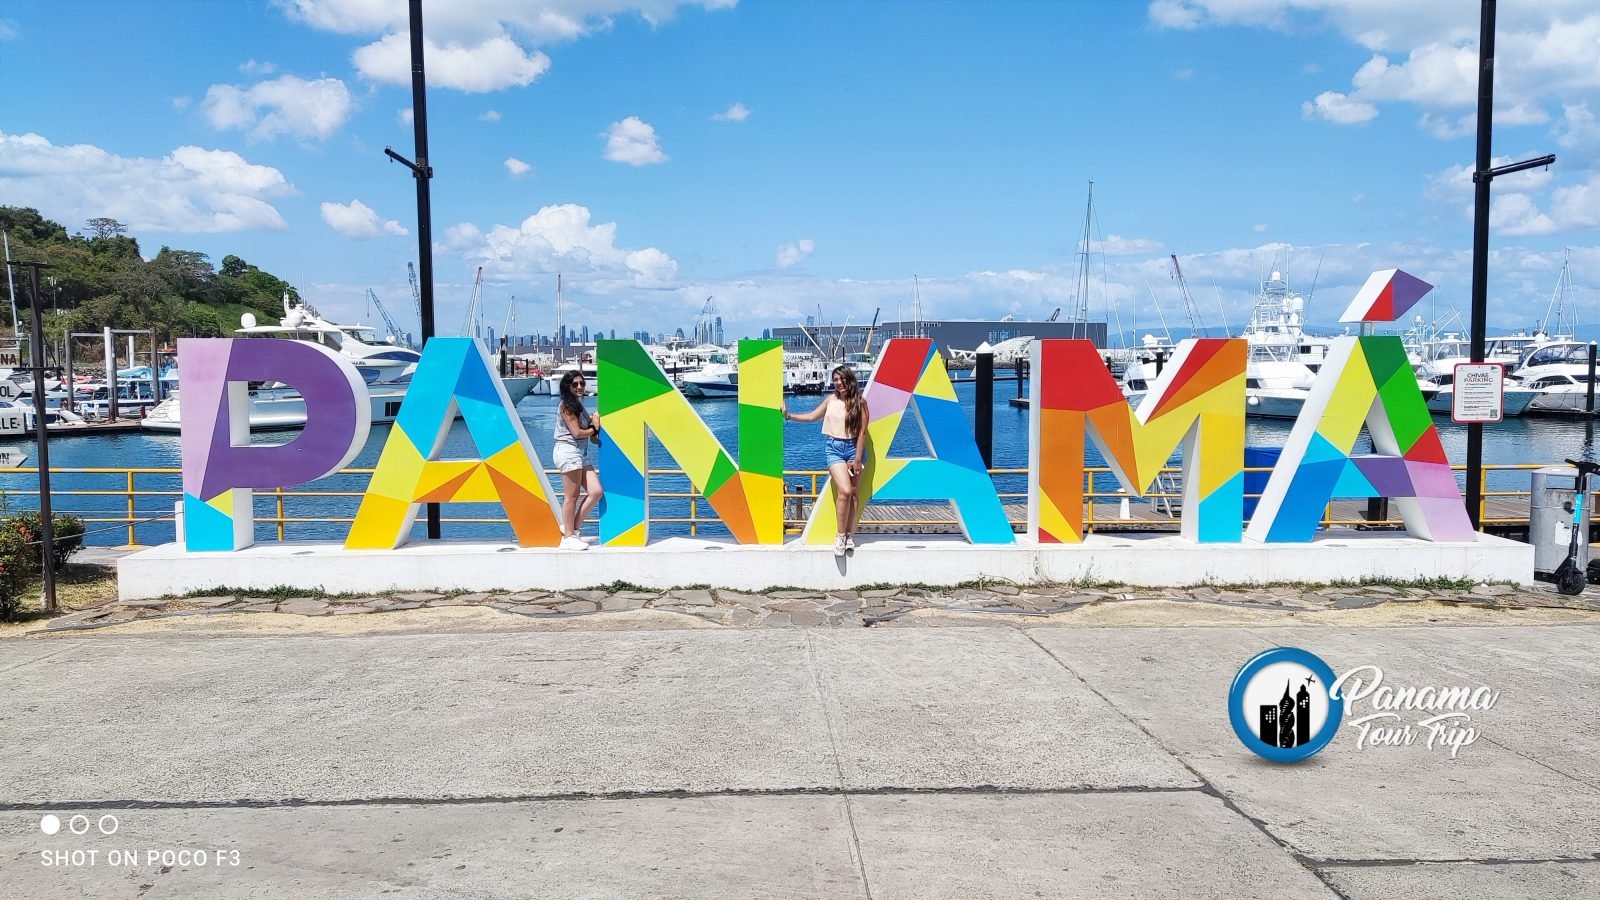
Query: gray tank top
(563,434)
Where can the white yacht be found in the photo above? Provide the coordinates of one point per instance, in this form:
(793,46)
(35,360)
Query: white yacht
(1558,372)
(385,367)
(1276,324)
(583,365)
(802,374)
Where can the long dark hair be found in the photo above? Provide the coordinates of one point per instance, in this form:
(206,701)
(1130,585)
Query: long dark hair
(570,400)
(855,406)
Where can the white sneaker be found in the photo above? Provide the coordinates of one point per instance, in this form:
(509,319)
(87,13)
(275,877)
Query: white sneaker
(850,542)
(838,545)
(573,542)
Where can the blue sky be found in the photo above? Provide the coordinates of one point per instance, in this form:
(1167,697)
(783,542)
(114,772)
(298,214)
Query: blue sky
(782,155)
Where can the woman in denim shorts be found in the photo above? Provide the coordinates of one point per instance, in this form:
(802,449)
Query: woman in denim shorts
(844,425)
(575,430)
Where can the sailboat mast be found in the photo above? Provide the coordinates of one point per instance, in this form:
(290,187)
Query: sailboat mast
(1081,313)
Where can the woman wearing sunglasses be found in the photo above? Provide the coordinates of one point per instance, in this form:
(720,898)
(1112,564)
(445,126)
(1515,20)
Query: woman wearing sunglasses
(575,430)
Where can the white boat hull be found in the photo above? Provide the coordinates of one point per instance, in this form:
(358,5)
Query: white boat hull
(283,408)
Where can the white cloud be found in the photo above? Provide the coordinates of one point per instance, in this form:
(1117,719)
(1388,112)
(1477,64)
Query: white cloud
(491,65)
(794,253)
(1425,54)
(252,67)
(181,103)
(633,141)
(1183,74)
(1518,214)
(1338,108)
(406,116)
(1259,228)
(562,239)
(735,113)
(9,30)
(474,45)
(1578,127)
(1117,245)
(489,115)
(1578,205)
(516,167)
(1174,14)
(284,105)
(189,190)
(358,220)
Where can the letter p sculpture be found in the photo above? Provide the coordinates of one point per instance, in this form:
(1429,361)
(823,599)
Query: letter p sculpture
(221,468)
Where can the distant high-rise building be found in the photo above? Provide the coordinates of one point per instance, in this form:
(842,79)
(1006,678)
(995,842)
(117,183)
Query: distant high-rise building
(678,333)
(811,321)
(766,334)
(719,331)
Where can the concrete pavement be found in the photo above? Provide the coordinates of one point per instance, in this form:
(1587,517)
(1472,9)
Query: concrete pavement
(996,761)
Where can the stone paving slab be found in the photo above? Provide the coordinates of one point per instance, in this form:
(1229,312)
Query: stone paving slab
(1469,881)
(731,847)
(1181,845)
(938,709)
(416,716)
(1404,803)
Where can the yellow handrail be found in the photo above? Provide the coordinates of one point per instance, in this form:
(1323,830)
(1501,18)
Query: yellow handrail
(136,507)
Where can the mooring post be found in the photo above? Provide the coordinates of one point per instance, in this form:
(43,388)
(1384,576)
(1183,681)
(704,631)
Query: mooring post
(1589,401)
(983,414)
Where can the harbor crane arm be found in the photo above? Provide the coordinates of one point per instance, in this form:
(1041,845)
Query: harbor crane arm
(1055,315)
(388,320)
(416,292)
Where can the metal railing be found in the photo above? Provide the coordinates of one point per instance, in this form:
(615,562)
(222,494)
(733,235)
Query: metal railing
(136,505)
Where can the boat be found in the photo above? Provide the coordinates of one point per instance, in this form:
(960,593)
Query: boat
(55,419)
(384,366)
(584,365)
(1558,373)
(802,374)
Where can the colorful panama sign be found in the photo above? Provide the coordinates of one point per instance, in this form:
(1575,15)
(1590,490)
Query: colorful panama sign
(1196,407)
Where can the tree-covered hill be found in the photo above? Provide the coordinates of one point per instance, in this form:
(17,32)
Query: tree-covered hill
(99,278)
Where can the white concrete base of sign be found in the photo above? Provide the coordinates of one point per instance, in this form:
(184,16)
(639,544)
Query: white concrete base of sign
(1149,560)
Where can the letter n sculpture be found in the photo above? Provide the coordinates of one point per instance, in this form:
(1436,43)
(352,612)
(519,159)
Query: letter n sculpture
(639,400)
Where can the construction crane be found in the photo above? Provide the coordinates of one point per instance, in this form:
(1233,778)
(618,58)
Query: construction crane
(704,326)
(388,320)
(1055,315)
(1195,324)
(416,292)
(871,331)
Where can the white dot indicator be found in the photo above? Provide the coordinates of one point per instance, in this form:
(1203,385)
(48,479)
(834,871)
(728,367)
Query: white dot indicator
(50,824)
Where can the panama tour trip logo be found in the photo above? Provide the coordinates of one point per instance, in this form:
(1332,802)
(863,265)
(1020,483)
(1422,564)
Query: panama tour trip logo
(1286,704)
(1281,707)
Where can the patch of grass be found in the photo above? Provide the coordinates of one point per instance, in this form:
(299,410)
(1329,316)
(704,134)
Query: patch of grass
(277,592)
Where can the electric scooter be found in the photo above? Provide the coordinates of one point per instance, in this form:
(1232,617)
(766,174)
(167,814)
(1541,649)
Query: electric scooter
(1570,578)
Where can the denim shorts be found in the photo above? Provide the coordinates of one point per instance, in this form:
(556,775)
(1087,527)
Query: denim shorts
(569,457)
(837,450)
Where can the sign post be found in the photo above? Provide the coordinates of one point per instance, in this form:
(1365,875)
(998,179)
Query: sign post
(1479,393)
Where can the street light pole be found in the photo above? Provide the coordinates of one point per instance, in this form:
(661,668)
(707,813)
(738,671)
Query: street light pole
(422,171)
(1484,173)
(41,431)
